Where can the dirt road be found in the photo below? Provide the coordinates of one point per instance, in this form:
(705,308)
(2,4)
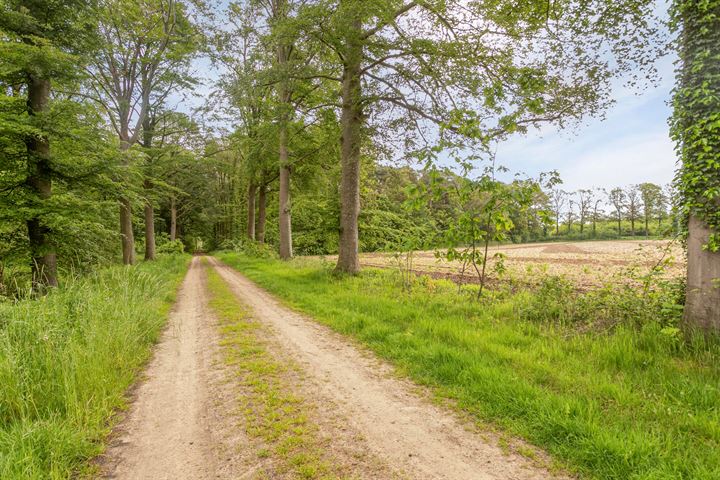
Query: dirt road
(172,428)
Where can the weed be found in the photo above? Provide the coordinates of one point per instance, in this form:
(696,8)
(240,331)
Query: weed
(273,414)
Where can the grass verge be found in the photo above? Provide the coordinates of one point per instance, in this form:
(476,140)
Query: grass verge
(66,361)
(628,403)
(274,416)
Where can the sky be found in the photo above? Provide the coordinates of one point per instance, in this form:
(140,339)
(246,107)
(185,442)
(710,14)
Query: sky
(631,145)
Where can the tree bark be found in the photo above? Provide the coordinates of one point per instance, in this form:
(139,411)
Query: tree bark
(148,131)
(149,226)
(126,231)
(702,303)
(173,220)
(262,214)
(39,180)
(126,226)
(351,124)
(284,206)
(252,189)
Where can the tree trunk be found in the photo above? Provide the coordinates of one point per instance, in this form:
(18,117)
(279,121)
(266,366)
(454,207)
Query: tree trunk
(702,304)
(148,131)
(351,124)
(149,226)
(173,220)
(262,214)
(619,227)
(284,206)
(126,231)
(285,219)
(43,259)
(252,189)
(126,227)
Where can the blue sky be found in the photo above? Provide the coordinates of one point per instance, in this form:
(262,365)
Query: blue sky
(631,145)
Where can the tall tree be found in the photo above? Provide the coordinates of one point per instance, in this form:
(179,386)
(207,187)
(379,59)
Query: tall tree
(38,39)
(597,211)
(411,65)
(144,53)
(696,130)
(651,198)
(558,200)
(584,201)
(618,200)
(633,205)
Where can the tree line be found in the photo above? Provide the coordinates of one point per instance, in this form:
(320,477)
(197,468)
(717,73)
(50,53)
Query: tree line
(313,96)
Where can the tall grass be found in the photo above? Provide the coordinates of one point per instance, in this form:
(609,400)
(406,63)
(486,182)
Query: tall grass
(66,361)
(627,403)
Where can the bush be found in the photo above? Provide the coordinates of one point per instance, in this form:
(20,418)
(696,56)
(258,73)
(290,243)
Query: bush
(250,248)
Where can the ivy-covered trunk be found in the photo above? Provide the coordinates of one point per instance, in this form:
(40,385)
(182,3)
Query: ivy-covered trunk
(43,259)
(351,125)
(696,129)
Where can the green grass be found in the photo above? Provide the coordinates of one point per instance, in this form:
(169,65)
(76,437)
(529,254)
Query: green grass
(630,403)
(66,361)
(274,415)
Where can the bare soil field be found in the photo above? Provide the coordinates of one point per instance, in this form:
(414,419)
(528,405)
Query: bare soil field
(586,264)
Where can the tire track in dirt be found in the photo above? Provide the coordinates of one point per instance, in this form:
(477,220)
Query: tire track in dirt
(178,426)
(411,434)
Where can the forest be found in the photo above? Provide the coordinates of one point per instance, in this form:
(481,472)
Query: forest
(283,177)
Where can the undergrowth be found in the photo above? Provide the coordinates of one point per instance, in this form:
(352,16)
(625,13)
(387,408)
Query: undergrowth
(67,359)
(600,380)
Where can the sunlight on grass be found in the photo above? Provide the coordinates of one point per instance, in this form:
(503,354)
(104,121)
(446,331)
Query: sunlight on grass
(627,403)
(274,415)
(66,361)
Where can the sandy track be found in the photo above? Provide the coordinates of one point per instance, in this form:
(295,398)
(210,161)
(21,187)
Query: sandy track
(412,435)
(174,429)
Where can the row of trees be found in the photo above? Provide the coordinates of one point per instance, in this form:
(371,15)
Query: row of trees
(85,88)
(646,205)
(415,80)
(319,91)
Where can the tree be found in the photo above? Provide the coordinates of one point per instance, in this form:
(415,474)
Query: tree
(584,203)
(596,211)
(40,43)
(651,197)
(411,65)
(695,127)
(143,57)
(558,199)
(570,215)
(618,200)
(633,206)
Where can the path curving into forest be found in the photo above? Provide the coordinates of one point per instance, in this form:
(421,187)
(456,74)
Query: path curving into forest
(182,426)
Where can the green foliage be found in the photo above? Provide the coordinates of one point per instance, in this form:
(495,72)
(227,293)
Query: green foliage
(636,401)
(483,209)
(695,125)
(250,248)
(67,360)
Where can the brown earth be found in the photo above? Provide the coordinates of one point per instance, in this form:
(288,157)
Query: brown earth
(183,422)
